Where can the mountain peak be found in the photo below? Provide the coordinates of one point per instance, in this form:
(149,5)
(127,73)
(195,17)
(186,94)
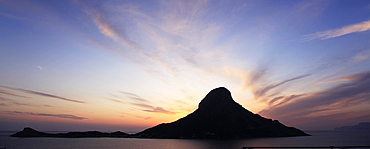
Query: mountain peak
(29,132)
(217,98)
(29,129)
(219,116)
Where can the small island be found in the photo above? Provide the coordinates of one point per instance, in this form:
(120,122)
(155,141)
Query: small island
(30,132)
(218,117)
(360,126)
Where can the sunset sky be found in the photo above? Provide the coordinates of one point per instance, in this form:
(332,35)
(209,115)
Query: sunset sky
(128,65)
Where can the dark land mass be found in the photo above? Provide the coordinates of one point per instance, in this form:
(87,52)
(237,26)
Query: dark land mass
(218,117)
(359,126)
(29,132)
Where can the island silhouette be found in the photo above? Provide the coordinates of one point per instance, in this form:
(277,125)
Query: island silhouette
(365,126)
(30,132)
(218,117)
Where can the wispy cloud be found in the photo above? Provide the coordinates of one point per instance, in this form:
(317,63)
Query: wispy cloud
(30,104)
(361,56)
(4,104)
(262,91)
(353,92)
(7,92)
(144,104)
(161,41)
(359,27)
(134,96)
(160,110)
(283,99)
(258,81)
(141,117)
(4,99)
(12,102)
(66,116)
(40,68)
(106,29)
(149,108)
(129,94)
(115,100)
(42,94)
(126,46)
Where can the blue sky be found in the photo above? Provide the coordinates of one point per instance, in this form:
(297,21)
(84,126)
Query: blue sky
(129,65)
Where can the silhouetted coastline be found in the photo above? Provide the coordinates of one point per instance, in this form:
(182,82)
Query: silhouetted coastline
(218,117)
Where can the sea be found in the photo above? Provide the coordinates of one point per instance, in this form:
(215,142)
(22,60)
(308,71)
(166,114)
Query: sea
(317,138)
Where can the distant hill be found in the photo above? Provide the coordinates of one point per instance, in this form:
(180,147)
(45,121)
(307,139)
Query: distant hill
(30,132)
(359,126)
(219,116)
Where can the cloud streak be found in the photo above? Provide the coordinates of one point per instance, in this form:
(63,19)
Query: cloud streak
(106,29)
(4,99)
(65,116)
(12,102)
(283,99)
(30,104)
(115,100)
(161,41)
(7,92)
(361,56)
(4,104)
(149,108)
(262,91)
(134,96)
(43,94)
(354,28)
(141,117)
(353,92)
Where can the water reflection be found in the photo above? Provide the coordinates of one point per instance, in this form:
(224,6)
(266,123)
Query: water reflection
(319,138)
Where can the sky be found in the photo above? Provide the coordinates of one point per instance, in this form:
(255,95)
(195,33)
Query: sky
(128,65)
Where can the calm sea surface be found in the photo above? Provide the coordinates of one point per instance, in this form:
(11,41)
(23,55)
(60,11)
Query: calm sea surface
(318,138)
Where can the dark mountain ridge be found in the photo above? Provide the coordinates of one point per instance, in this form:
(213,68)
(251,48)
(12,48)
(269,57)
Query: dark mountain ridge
(219,116)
